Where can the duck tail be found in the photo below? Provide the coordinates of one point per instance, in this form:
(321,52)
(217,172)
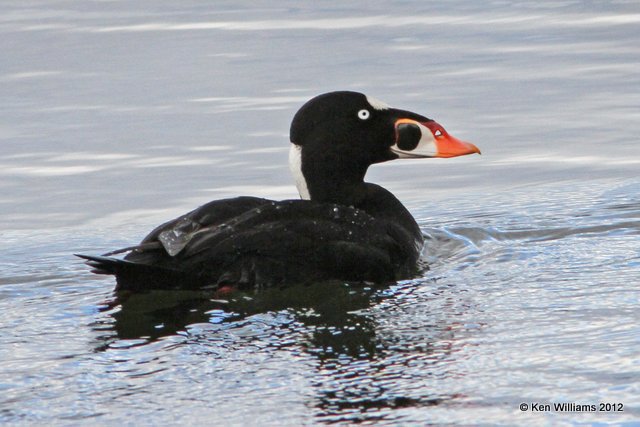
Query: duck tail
(135,276)
(106,265)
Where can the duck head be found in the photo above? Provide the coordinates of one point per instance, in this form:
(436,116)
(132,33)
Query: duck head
(338,135)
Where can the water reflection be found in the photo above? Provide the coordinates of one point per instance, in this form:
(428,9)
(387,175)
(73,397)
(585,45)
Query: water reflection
(331,310)
(357,359)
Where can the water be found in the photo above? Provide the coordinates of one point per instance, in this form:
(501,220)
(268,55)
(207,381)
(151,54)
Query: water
(117,116)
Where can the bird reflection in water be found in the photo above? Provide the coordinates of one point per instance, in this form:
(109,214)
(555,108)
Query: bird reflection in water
(330,309)
(332,321)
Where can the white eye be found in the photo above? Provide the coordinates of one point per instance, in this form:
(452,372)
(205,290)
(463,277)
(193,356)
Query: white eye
(364,114)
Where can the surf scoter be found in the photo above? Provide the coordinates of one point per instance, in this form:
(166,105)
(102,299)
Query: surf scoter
(343,228)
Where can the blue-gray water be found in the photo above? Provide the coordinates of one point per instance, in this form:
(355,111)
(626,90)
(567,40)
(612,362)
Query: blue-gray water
(116,116)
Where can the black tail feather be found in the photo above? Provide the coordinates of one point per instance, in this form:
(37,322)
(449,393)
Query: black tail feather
(105,265)
(136,276)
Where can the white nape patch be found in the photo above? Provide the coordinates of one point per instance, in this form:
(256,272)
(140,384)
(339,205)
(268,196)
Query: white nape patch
(295,165)
(377,104)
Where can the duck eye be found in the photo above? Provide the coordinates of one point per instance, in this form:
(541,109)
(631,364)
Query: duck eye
(364,114)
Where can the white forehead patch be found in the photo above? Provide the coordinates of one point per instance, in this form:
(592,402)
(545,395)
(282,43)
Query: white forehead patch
(377,104)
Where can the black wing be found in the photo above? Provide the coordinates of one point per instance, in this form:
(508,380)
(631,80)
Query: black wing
(251,241)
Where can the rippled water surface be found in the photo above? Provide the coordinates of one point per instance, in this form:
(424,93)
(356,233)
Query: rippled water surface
(116,116)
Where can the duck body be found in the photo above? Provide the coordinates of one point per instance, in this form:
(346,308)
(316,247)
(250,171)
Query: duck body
(346,229)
